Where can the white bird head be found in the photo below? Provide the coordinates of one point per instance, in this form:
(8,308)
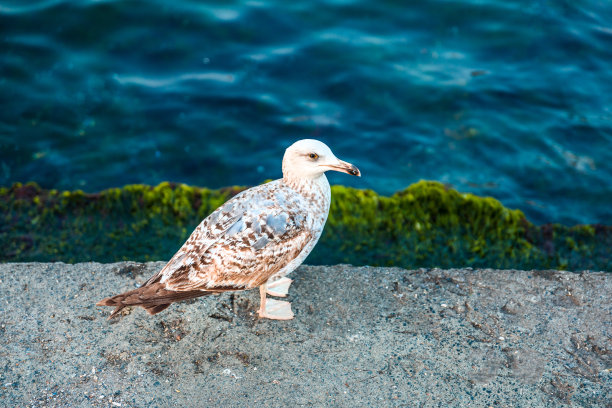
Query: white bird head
(309,159)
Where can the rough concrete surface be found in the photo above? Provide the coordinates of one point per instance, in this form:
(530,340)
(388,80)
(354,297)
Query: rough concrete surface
(361,337)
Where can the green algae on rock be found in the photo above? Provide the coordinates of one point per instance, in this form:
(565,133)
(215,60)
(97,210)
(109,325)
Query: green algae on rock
(425,225)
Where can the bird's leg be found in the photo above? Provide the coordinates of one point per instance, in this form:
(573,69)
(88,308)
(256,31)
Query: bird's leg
(271,308)
(262,300)
(279,287)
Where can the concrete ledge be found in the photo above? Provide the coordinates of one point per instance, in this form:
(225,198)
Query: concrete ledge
(362,336)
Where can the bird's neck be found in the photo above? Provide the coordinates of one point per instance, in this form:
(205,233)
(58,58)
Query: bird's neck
(316,190)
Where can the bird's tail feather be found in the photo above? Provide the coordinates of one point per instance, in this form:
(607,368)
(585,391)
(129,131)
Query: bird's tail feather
(153,298)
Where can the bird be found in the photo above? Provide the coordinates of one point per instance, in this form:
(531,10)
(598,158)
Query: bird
(251,241)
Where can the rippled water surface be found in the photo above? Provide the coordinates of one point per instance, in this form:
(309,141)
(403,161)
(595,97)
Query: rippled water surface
(508,99)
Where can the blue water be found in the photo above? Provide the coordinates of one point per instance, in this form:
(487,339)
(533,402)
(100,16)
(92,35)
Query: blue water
(508,99)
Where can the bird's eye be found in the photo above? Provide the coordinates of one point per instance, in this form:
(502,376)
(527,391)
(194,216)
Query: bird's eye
(313,156)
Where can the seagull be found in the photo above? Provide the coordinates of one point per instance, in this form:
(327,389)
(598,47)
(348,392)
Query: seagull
(253,240)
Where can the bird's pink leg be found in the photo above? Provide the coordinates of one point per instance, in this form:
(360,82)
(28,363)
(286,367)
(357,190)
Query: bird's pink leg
(262,300)
(271,308)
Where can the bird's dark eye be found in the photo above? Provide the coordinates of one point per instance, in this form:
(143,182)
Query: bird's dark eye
(313,156)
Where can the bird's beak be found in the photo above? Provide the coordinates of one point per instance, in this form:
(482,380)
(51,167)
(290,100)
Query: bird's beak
(344,167)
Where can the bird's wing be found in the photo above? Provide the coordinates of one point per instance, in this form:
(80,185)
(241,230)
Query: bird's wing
(242,243)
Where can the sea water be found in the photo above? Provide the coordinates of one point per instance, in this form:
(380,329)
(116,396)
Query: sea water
(511,99)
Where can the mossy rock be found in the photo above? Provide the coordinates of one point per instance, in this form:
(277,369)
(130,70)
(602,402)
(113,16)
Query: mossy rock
(425,225)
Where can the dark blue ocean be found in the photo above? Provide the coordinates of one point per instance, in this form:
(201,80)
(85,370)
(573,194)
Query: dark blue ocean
(511,99)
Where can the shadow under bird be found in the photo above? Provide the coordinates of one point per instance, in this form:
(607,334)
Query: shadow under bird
(253,240)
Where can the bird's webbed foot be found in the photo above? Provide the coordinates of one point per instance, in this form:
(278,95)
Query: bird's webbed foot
(279,287)
(276,310)
(272,308)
